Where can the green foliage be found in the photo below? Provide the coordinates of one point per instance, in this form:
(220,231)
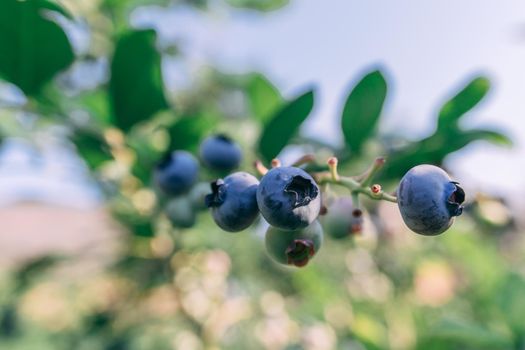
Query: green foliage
(260,5)
(33,48)
(362,110)
(448,136)
(187,132)
(462,102)
(284,125)
(91,147)
(465,335)
(264,98)
(136,85)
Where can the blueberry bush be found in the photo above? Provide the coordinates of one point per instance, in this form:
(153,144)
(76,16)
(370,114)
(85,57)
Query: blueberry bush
(229,241)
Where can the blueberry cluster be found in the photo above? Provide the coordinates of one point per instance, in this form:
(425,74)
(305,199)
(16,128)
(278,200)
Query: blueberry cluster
(176,177)
(290,199)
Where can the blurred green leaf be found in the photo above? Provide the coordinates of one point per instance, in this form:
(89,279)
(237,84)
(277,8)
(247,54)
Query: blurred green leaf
(485,135)
(462,102)
(189,130)
(264,98)
(33,48)
(511,303)
(30,270)
(468,334)
(362,109)
(435,148)
(136,86)
(96,102)
(260,5)
(91,147)
(284,124)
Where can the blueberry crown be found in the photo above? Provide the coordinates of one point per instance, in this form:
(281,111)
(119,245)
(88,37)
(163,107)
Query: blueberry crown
(217,195)
(455,200)
(303,190)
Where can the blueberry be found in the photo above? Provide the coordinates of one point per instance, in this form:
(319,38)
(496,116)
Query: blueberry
(288,198)
(342,219)
(180,212)
(429,200)
(221,153)
(198,195)
(176,173)
(294,247)
(233,201)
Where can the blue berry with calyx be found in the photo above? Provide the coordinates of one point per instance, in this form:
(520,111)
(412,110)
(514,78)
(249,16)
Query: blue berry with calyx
(289,198)
(176,173)
(294,247)
(429,200)
(221,153)
(233,201)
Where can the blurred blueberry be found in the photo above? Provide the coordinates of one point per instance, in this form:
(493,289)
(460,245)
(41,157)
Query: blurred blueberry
(221,153)
(180,212)
(342,219)
(176,173)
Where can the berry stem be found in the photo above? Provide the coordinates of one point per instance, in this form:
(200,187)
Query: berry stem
(366,178)
(332,166)
(260,168)
(356,185)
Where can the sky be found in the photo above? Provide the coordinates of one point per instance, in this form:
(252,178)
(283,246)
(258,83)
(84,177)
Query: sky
(427,49)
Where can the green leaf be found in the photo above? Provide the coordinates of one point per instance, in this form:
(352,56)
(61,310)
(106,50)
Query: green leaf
(362,110)
(188,131)
(259,5)
(511,303)
(264,98)
(485,135)
(136,86)
(33,48)
(91,147)
(462,102)
(468,334)
(284,125)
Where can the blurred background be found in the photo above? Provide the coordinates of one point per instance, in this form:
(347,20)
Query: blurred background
(93,93)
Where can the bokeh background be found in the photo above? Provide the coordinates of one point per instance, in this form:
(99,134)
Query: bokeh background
(92,94)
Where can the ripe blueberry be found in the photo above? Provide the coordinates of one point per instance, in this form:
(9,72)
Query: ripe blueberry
(342,219)
(180,212)
(221,153)
(176,173)
(233,201)
(294,247)
(429,200)
(288,198)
